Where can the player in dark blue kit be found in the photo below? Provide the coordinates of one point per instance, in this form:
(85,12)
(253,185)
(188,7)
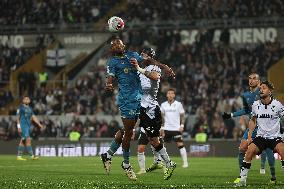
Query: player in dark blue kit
(248,98)
(129,99)
(25,116)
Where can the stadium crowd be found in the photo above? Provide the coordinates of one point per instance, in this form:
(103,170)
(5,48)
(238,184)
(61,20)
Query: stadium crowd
(210,79)
(169,10)
(18,12)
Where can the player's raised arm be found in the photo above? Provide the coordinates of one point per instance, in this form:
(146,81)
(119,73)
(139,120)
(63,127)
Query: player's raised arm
(169,71)
(154,75)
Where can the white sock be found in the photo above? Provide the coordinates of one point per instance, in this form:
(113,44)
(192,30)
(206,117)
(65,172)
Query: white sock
(183,155)
(108,155)
(141,160)
(157,156)
(244,172)
(164,155)
(125,165)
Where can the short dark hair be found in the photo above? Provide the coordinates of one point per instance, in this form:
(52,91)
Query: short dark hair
(149,51)
(172,89)
(24,96)
(268,84)
(254,73)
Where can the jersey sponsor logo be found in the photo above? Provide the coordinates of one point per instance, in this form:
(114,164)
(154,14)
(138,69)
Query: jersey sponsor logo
(273,108)
(126,70)
(170,110)
(264,116)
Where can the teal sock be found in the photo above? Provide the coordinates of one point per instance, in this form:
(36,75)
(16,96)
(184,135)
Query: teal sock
(271,161)
(113,147)
(241,159)
(30,150)
(20,150)
(126,154)
(263,160)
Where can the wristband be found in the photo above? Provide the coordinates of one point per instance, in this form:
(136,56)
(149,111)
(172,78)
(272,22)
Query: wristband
(232,115)
(182,125)
(18,126)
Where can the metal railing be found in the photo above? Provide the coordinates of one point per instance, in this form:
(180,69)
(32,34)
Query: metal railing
(178,24)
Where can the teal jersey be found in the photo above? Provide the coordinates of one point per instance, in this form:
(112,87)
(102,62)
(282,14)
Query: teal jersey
(127,76)
(25,112)
(248,99)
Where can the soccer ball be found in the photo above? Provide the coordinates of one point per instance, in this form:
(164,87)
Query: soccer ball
(115,24)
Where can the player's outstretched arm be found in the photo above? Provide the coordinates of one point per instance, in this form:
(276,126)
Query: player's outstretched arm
(36,121)
(169,71)
(152,75)
(244,111)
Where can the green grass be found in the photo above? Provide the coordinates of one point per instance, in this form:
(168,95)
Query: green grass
(88,172)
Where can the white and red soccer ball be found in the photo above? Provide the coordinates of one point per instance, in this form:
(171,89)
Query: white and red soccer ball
(115,24)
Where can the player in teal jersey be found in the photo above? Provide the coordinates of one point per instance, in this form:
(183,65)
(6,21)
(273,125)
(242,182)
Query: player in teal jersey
(129,99)
(248,99)
(25,116)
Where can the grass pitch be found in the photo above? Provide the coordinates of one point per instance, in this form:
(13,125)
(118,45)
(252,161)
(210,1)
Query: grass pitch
(88,172)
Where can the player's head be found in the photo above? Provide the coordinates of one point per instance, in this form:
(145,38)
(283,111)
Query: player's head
(171,94)
(117,46)
(148,52)
(26,100)
(266,89)
(254,80)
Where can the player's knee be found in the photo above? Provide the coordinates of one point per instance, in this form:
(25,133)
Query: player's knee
(158,146)
(155,142)
(180,145)
(250,153)
(119,135)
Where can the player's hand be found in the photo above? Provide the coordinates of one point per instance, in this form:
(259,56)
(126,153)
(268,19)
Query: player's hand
(109,87)
(226,115)
(162,133)
(40,126)
(181,129)
(249,141)
(169,72)
(134,62)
